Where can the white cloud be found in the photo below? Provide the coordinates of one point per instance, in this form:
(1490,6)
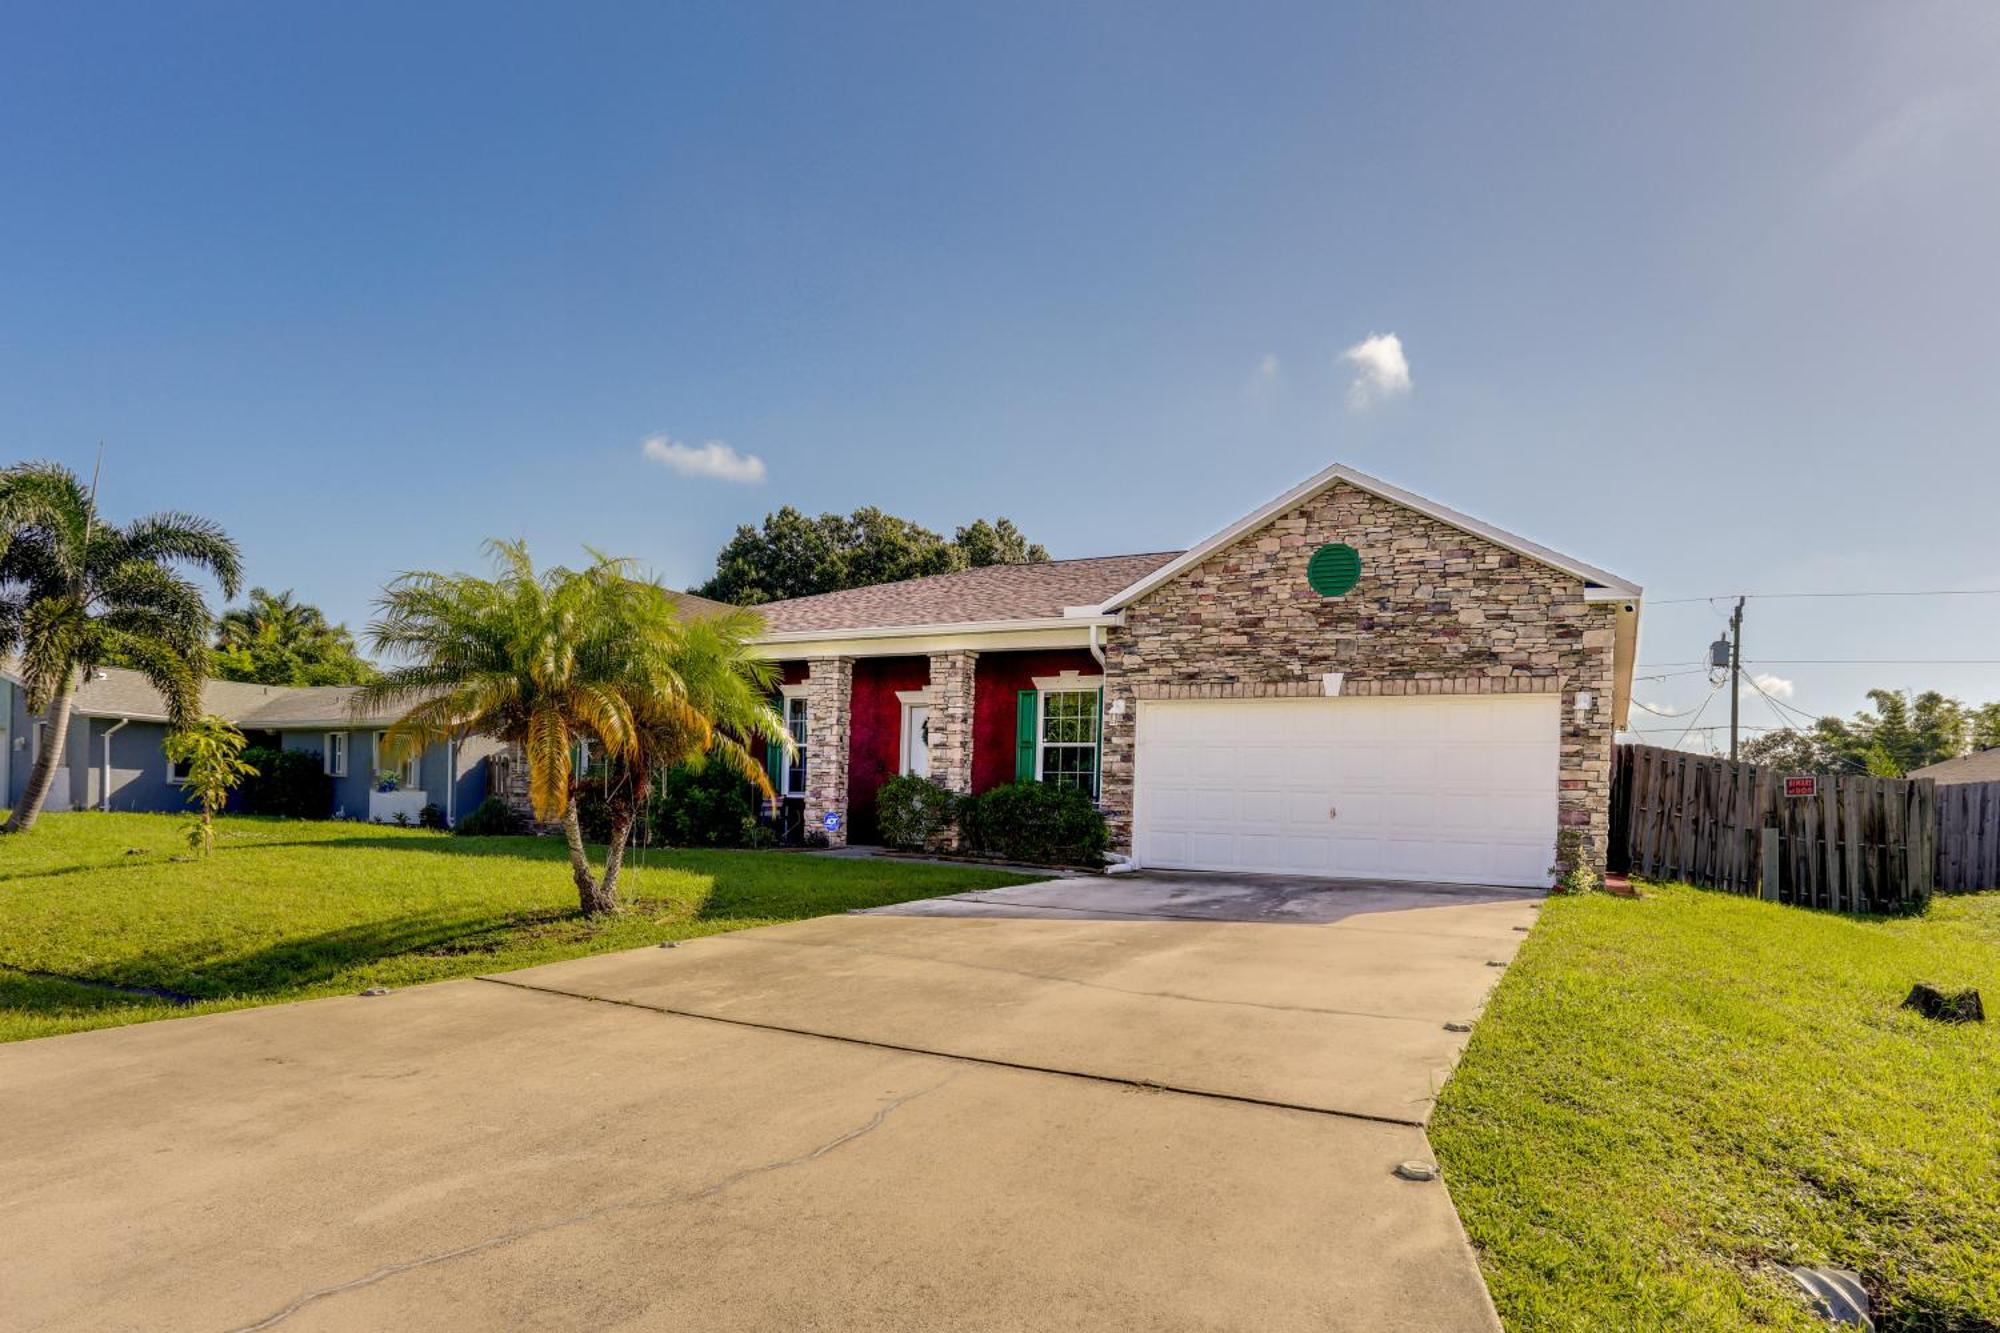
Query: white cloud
(1657,710)
(713,459)
(1777,687)
(1381,371)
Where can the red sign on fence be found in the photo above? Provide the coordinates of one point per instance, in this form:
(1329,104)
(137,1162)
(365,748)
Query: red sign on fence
(1802,786)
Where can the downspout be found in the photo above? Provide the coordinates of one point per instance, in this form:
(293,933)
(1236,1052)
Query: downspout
(104,783)
(450,781)
(1096,650)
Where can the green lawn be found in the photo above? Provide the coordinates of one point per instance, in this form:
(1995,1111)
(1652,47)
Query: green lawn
(1669,1097)
(104,919)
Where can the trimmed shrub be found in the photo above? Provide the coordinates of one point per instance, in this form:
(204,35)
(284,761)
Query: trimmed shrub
(692,805)
(704,805)
(292,783)
(431,817)
(493,818)
(913,811)
(1035,821)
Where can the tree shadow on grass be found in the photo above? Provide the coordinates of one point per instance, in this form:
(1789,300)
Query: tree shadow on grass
(307,961)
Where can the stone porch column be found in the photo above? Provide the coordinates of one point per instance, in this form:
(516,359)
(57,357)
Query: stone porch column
(829,732)
(951,725)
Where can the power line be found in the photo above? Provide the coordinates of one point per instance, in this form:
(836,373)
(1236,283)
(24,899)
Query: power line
(1830,661)
(1790,596)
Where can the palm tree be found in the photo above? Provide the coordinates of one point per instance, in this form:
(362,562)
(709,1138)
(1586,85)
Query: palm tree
(271,618)
(545,661)
(76,592)
(711,696)
(278,640)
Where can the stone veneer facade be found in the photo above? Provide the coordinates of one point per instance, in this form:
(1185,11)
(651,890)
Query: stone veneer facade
(952,712)
(1437,611)
(829,729)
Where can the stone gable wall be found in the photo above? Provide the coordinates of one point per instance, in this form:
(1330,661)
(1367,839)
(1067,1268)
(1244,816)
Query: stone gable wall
(1437,611)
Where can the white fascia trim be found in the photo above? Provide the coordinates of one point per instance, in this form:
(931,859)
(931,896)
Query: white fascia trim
(1068,680)
(1610,583)
(1064,621)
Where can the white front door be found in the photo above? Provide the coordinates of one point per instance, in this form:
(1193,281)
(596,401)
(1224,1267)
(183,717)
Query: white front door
(1432,788)
(917,740)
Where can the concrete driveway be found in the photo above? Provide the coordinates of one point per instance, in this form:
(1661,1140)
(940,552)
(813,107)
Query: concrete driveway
(1160,1102)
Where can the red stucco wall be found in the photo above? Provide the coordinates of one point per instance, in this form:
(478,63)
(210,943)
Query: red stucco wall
(876,745)
(997,682)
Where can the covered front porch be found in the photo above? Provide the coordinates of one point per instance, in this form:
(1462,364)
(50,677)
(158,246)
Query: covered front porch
(970,720)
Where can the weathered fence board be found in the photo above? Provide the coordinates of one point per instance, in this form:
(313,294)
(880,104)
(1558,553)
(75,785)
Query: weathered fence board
(1968,836)
(1856,844)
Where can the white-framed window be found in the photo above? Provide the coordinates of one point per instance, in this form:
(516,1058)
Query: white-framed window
(797,714)
(334,757)
(41,730)
(177,771)
(409,774)
(1066,728)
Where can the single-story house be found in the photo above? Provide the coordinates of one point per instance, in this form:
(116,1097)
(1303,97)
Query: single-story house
(1979,766)
(114,757)
(1352,680)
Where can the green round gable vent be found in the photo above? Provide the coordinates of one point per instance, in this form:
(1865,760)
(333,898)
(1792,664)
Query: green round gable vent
(1333,569)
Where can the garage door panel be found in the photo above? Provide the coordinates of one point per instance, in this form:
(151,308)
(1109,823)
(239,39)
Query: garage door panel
(1430,788)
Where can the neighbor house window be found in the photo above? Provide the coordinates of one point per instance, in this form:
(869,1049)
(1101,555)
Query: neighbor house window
(409,774)
(41,731)
(1068,739)
(177,771)
(796,715)
(334,757)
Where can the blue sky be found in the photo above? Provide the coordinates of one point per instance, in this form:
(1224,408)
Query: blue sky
(1706,294)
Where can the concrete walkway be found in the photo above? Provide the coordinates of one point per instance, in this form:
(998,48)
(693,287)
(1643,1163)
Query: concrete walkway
(1146,1102)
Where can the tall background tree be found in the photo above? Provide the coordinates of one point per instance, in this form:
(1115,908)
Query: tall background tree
(276,639)
(78,592)
(792,555)
(1900,733)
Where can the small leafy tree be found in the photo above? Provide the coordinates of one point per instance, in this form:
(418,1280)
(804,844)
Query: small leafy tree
(213,752)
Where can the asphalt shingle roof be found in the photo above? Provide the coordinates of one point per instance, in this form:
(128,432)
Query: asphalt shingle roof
(996,592)
(1979,766)
(118,692)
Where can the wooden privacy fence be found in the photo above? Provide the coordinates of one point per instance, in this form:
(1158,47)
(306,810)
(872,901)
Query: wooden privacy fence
(1852,844)
(1968,836)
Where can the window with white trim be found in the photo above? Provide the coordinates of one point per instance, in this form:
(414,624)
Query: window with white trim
(409,774)
(797,715)
(178,770)
(334,757)
(1067,750)
(41,732)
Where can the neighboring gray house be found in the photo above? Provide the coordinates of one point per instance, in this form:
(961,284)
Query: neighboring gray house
(115,759)
(1979,766)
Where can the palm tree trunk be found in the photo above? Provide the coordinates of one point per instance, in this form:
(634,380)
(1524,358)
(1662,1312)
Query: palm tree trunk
(591,896)
(43,775)
(614,859)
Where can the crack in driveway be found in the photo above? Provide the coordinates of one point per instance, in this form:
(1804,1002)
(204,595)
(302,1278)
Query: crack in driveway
(707,1191)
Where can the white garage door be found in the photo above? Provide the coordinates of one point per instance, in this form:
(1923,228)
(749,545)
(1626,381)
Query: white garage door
(1455,789)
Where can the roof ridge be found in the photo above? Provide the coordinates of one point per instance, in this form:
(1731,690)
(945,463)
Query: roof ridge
(961,573)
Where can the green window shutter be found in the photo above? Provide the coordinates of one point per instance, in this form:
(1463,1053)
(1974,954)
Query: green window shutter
(774,764)
(1024,736)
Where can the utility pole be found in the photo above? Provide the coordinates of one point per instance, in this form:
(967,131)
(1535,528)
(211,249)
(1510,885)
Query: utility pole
(1735,673)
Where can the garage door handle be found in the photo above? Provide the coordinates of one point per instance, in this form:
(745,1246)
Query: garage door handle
(1332,812)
